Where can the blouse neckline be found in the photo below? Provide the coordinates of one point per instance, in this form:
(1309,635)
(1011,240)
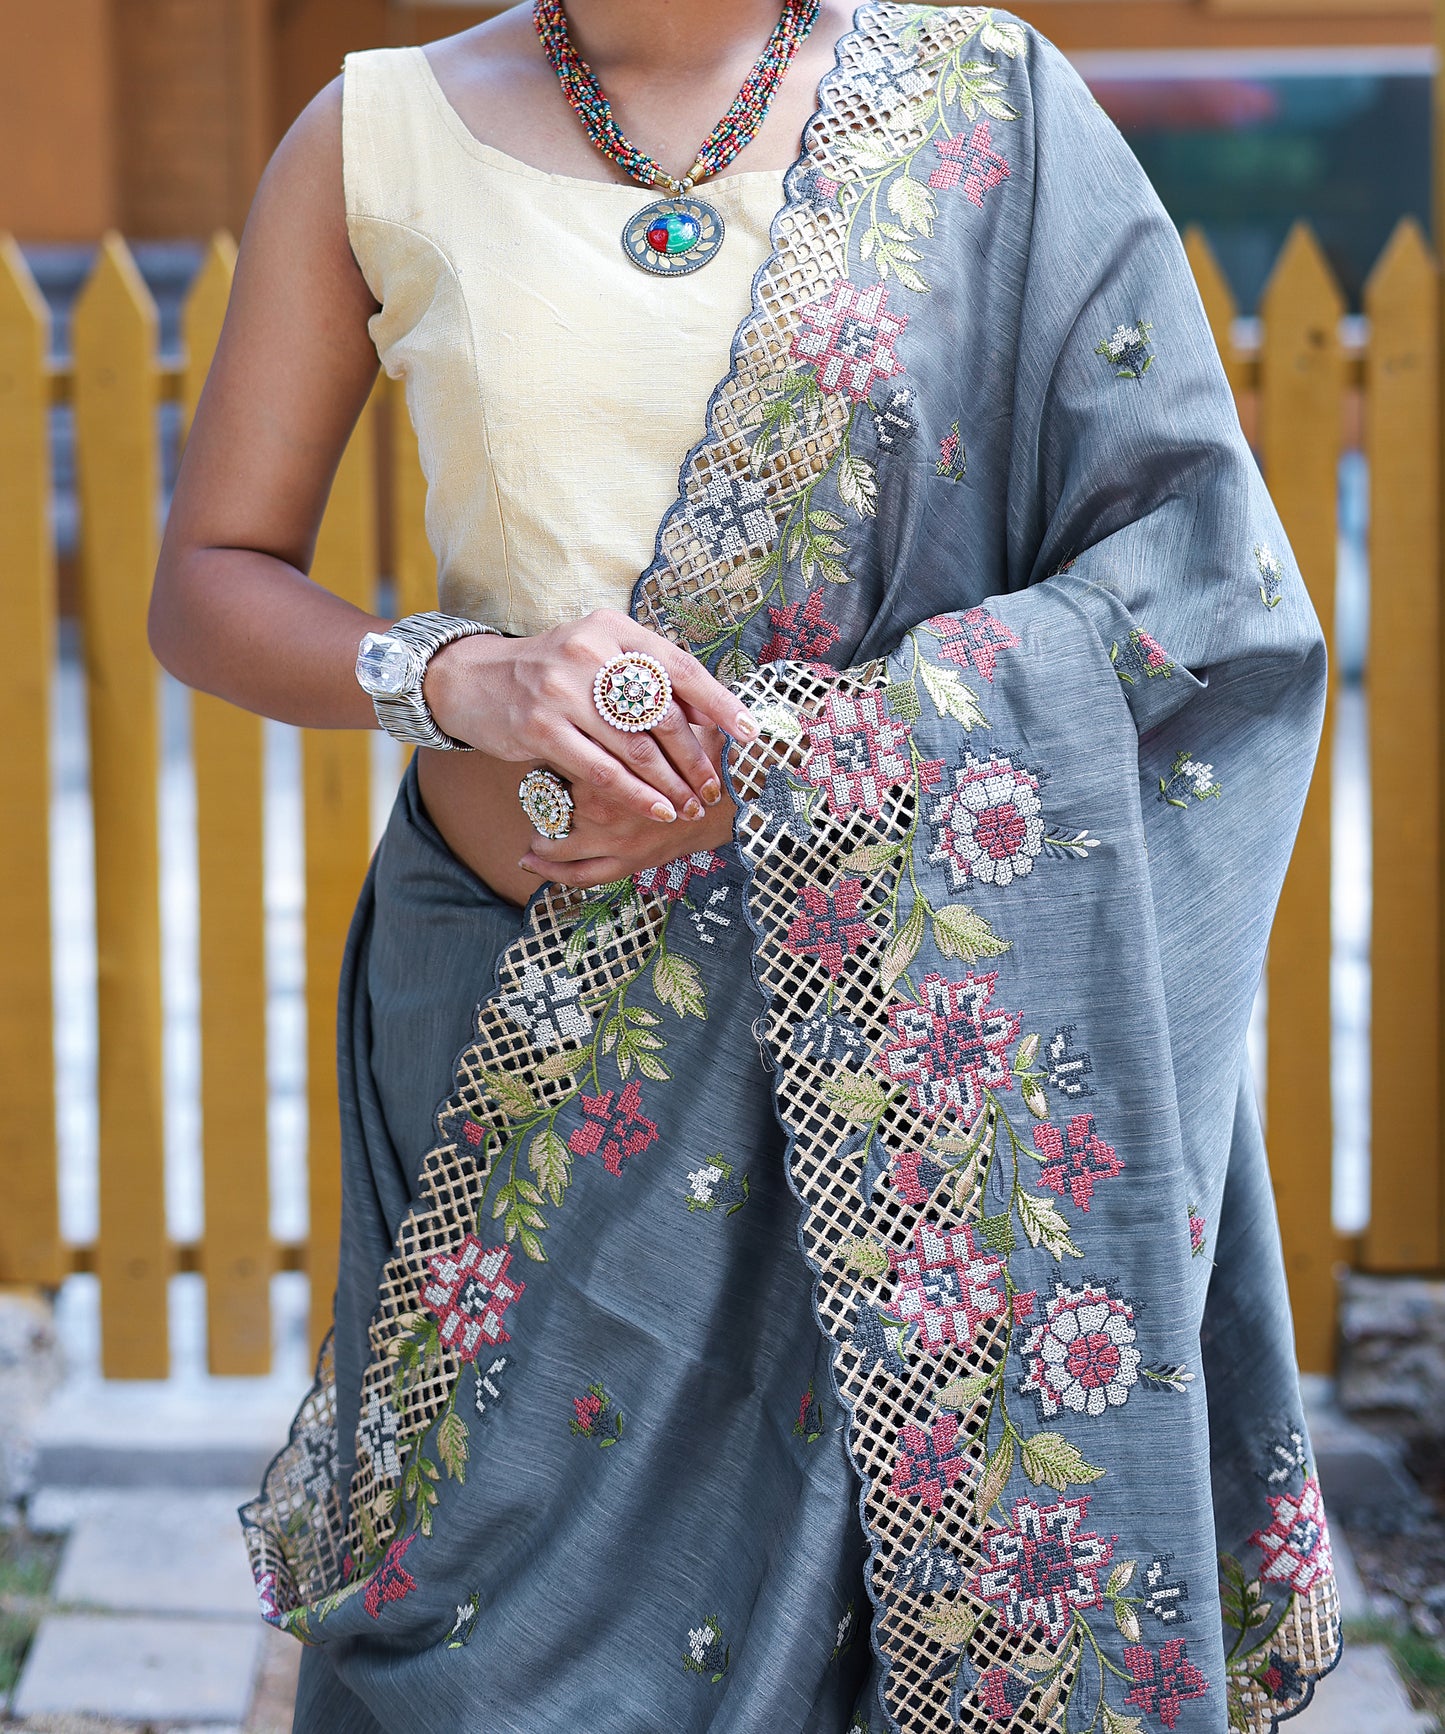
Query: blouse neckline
(514,165)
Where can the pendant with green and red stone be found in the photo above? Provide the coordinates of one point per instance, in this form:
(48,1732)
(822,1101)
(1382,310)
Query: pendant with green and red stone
(673,236)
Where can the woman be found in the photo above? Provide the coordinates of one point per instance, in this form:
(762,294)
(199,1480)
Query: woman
(813,1266)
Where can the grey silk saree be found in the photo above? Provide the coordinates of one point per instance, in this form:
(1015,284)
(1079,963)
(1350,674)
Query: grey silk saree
(831,1283)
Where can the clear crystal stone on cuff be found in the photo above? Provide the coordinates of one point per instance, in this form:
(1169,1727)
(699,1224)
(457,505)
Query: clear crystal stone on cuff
(383,663)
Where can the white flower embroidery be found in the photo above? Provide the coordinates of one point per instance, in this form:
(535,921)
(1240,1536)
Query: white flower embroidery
(1082,1357)
(547,1005)
(700,1640)
(703,1180)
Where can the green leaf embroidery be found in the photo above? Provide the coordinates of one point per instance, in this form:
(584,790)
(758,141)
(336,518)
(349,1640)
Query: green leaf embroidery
(511,1094)
(913,204)
(858,486)
(963,1393)
(869,857)
(951,696)
(1045,1226)
(551,1161)
(959,932)
(678,983)
(903,947)
(452,1441)
(1051,1459)
(859,1097)
(995,1478)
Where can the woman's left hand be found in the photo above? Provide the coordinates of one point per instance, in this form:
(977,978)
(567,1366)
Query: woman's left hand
(602,848)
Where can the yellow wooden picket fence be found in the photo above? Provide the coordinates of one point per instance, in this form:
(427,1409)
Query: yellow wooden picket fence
(1305,395)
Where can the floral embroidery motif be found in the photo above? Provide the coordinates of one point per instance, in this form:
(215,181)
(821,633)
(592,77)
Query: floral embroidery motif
(1002,1693)
(1067,1067)
(1081,1357)
(847,337)
(801,631)
(856,752)
(809,1422)
(391,1581)
(707,1651)
(947,1286)
(786,805)
(714,1186)
(378,1432)
(1296,1542)
(915,1174)
(1042,1567)
(613,1133)
(948,1047)
(972,161)
(1197,1228)
(547,1004)
(465,1622)
(1077,1159)
(732,514)
(467,1291)
(595,1416)
(1284,1458)
(952,463)
(974,639)
(1164,1681)
(930,1570)
(989,825)
(709,915)
(843,1635)
(877,1340)
(823,1037)
(1282,1678)
(895,420)
(1128,350)
(929,1461)
(489,1386)
(1142,658)
(1188,780)
(672,878)
(830,925)
(1164,1596)
(1271,576)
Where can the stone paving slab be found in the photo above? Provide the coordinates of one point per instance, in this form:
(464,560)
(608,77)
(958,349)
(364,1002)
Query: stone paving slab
(177,1553)
(1362,1696)
(137,1669)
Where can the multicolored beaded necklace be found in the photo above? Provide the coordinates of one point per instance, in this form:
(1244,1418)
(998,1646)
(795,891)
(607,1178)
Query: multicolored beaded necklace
(678,234)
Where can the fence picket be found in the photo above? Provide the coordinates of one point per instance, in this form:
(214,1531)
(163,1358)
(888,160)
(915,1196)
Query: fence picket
(1219,305)
(336,781)
(228,749)
(1402,438)
(29,1223)
(1300,407)
(116,400)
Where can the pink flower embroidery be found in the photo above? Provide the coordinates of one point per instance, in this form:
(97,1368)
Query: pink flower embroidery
(972,160)
(847,335)
(801,631)
(467,1291)
(973,639)
(989,825)
(615,1133)
(1042,1567)
(947,1285)
(1081,1357)
(1078,1158)
(857,751)
(588,1409)
(829,925)
(928,1462)
(1162,1682)
(391,1580)
(948,1047)
(672,878)
(1296,1544)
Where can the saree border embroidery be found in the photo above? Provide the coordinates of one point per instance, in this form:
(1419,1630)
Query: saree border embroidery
(888,1158)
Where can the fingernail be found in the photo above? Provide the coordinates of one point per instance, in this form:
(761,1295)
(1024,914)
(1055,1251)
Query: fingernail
(711,792)
(693,809)
(746,729)
(663,810)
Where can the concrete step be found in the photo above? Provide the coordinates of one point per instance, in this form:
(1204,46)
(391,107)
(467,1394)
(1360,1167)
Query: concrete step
(133,1667)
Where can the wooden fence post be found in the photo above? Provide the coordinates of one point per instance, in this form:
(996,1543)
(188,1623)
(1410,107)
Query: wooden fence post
(1402,440)
(116,403)
(29,1223)
(336,781)
(1301,399)
(228,748)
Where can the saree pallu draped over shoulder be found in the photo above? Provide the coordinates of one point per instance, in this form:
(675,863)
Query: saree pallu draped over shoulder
(974,529)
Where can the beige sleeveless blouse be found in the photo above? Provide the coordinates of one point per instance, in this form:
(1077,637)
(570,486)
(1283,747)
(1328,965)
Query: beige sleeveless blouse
(554,386)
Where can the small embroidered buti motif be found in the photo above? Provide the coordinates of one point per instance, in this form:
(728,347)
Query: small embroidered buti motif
(391,1581)
(1141,658)
(930,1570)
(952,462)
(1128,350)
(801,631)
(809,1421)
(843,1633)
(1163,1680)
(1189,781)
(1284,1458)
(1067,1066)
(878,1340)
(1076,1159)
(489,1383)
(714,1186)
(708,1652)
(596,1417)
(895,419)
(1164,1596)
(1002,1693)
(1271,575)
(614,1127)
(1081,1356)
(973,639)
(1196,1231)
(971,161)
(1296,1542)
(465,1622)
(847,337)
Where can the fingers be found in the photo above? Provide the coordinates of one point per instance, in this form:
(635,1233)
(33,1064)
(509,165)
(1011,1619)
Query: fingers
(591,870)
(590,767)
(703,693)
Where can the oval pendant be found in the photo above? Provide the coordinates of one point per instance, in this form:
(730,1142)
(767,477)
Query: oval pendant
(673,236)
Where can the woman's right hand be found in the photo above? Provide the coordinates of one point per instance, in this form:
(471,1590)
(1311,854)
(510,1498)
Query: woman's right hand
(530,700)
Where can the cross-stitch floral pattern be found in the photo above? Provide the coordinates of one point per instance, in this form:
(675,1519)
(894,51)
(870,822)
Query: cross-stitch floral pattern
(708,1652)
(988,823)
(596,1417)
(1042,1567)
(614,1127)
(1163,1681)
(673,878)
(715,1186)
(856,752)
(1128,349)
(547,1004)
(950,1046)
(1140,657)
(973,639)
(847,337)
(970,163)
(1081,1357)
(468,1291)
(1296,1542)
(929,1461)
(1189,781)
(801,631)
(947,1285)
(830,925)
(1077,1158)
(391,1581)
